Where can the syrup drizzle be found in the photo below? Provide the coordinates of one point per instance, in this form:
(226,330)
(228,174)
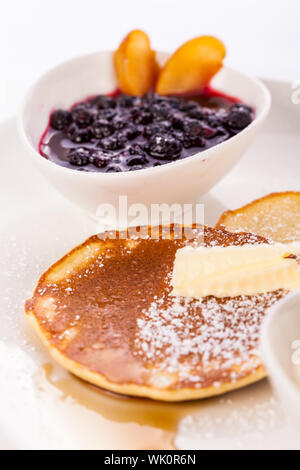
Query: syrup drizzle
(144,423)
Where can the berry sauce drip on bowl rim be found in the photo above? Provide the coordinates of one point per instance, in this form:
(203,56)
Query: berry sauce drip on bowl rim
(118,132)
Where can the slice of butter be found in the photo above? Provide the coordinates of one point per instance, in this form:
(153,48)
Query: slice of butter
(234,270)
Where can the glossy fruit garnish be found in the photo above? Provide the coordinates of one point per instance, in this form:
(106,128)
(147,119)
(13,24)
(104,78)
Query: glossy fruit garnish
(192,66)
(135,64)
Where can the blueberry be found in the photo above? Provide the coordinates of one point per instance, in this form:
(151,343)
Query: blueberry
(79,156)
(130,132)
(60,119)
(193,132)
(121,139)
(102,128)
(111,143)
(157,127)
(170,101)
(161,111)
(213,120)
(192,129)
(188,106)
(177,121)
(113,169)
(242,106)
(136,160)
(82,115)
(238,119)
(142,116)
(100,158)
(108,114)
(103,102)
(78,135)
(120,121)
(164,146)
(127,101)
(196,113)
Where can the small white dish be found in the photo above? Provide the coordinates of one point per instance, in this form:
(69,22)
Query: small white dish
(177,182)
(280,345)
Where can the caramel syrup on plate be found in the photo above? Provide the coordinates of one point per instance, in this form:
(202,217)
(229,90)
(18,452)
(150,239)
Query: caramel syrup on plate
(141,423)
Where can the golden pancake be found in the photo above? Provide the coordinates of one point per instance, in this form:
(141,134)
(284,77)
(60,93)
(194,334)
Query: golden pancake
(105,313)
(275,216)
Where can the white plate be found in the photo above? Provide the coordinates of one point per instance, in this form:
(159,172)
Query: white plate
(37,227)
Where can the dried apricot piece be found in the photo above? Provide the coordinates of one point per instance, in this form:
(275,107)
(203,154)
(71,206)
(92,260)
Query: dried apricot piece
(135,64)
(192,66)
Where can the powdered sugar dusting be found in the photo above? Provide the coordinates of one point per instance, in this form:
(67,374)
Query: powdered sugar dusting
(275,216)
(193,338)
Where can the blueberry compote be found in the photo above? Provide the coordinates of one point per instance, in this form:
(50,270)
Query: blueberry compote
(124,133)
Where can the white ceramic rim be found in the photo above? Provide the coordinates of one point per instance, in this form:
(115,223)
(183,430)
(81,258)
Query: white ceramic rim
(94,175)
(268,355)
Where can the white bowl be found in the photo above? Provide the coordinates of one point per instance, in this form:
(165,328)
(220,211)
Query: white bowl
(280,347)
(177,182)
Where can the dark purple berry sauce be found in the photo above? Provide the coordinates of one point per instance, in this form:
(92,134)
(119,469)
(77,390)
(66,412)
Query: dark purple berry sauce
(123,133)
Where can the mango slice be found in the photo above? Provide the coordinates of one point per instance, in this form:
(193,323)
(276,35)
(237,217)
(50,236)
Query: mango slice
(135,64)
(192,66)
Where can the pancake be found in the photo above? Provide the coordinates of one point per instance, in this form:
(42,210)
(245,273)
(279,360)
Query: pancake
(105,313)
(275,216)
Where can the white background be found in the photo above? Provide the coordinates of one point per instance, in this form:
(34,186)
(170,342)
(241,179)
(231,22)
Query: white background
(262,36)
